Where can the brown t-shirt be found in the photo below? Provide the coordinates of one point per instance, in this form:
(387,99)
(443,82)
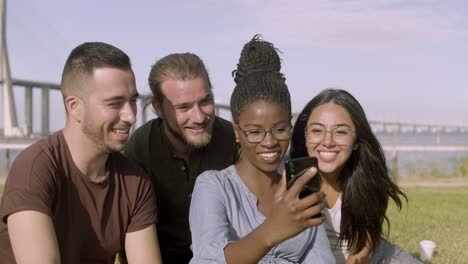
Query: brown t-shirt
(90,219)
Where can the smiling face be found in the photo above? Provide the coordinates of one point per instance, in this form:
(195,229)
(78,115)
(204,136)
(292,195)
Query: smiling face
(256,118)
(109,109)
(338,142)
(187,110)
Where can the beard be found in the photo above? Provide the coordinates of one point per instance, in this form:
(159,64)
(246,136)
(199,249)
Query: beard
(96,135)
(93,134)
(192,140)
(197,141)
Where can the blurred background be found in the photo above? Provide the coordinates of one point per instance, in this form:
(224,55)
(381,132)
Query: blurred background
(405,61)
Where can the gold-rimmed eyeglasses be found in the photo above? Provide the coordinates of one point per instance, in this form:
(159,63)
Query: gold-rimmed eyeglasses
(342,135)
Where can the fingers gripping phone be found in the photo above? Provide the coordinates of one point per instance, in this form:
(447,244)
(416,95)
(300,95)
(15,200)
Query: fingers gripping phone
(295,168)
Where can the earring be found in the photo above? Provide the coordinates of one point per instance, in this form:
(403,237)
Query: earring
(237,140)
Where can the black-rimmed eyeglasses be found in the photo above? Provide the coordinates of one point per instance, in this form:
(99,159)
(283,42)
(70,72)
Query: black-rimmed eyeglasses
(256,135)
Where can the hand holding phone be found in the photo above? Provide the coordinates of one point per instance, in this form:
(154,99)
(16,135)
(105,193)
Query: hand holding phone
(295,168)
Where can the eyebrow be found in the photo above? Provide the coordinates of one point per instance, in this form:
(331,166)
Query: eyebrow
(336,125)
(121,98)
(183,104)
(284,122)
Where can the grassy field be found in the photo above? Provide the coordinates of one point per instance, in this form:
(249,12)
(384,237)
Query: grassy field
(437,214)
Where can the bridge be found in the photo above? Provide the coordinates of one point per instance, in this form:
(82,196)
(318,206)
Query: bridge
(16,135)
(402,128)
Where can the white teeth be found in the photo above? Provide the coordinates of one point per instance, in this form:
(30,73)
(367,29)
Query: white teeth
(328,154)
(269,155)
(121,131)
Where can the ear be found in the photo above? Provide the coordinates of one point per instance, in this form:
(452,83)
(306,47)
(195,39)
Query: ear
(74,106)
(157,107)
(236,132)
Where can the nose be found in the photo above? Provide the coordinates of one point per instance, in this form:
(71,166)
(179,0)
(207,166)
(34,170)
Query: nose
(328,139)
(198,116)
(269,139)
(128,113)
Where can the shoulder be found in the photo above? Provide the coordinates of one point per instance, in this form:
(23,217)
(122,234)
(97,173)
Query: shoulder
(34,177)
(222,180)
(223,125)
(142,133)
(138,146)
(223,138)
(42,154)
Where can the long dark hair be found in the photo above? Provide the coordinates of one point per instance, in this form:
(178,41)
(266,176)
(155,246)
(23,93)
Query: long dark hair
(365,180)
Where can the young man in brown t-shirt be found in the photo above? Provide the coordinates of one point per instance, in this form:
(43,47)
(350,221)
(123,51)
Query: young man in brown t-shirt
(72,197)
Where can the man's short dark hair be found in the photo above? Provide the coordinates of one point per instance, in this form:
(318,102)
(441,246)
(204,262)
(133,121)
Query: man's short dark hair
(87,57)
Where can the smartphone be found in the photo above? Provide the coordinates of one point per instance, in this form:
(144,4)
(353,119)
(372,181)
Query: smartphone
(295,168)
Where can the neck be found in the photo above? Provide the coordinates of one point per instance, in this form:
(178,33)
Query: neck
(331,186)
(262,184)
(88,159)
(331,179)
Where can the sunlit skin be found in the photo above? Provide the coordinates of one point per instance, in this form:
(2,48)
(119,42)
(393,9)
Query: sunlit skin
(331,156)
(99,119)
(188,111)
(285,214)
(265,156)
(110,109)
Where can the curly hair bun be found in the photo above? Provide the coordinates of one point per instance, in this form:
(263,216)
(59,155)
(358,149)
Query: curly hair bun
(257,56)
(258,77)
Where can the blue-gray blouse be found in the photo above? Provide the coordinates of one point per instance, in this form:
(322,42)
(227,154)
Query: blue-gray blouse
(223,210)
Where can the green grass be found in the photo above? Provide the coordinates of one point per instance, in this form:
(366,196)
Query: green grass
(438,214)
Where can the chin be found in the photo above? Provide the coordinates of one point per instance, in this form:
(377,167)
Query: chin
(269,168)
(198,141)
(328,169)
(116,147)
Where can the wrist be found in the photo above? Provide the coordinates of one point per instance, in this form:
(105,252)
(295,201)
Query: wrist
(265,236)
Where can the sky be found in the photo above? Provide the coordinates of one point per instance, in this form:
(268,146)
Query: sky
(404,60)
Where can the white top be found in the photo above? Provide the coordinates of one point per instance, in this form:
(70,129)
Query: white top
(332,228)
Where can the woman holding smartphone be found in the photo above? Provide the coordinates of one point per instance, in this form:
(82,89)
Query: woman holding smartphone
(244,214)
(354,176)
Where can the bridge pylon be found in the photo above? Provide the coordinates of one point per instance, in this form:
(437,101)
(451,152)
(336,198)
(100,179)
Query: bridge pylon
(10,123)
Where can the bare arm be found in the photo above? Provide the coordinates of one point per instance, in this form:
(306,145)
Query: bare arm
(289,217)
(143,246)
(33,238)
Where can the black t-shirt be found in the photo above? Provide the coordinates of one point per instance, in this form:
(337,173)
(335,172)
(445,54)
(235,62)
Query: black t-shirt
(174,179)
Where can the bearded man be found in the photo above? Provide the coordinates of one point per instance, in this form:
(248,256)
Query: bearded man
(185,140)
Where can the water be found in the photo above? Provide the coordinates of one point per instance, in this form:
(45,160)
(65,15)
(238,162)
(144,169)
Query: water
(436,163)
(410,163)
